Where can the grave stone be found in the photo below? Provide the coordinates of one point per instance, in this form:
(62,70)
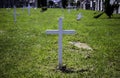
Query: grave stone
(81,45)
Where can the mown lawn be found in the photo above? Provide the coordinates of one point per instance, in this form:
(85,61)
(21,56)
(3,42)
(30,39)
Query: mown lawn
(27,52)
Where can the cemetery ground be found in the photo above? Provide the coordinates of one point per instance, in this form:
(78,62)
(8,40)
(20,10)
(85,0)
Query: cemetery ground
(26,51)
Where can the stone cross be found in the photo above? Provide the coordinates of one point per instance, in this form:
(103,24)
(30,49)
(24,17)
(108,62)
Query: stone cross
(14,14)
(23,7)
(91,5)
(119,9)
(79,16)
(69,7)
(84,5)
(60,32)
(101,5)
(36,4)
(28,9)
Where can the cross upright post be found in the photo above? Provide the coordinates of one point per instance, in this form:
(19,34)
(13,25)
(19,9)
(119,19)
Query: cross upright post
(69,6)
(60,44)
(14,14)
(60,32)
(28,8)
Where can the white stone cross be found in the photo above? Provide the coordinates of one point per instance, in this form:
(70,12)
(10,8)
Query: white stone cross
(91,5)
(14,14)
(23,7)
(60,32)
(69,7)
(28,9)
(79,16)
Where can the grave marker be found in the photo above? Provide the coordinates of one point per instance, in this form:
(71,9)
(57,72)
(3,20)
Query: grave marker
(84,5)
(101,5)
(60,32)
(28,9)
(79,16)
(36,4)
(14,14)
(23,7)
(69,6)
(119,9)
(91,5)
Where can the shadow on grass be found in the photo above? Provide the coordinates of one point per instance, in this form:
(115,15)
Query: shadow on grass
(68,70)
(115,18)
(64,69)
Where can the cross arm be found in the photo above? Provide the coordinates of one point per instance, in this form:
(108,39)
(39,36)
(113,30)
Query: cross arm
(57,32)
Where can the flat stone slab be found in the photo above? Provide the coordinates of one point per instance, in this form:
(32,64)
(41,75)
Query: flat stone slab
(1,31)
(81,45)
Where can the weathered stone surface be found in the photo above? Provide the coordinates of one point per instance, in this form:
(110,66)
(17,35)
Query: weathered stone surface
(81,45)
(1,31)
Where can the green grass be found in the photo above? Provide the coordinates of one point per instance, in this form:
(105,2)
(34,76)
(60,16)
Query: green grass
(27,52)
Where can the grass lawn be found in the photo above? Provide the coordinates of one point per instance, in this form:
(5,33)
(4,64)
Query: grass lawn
(27,52)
